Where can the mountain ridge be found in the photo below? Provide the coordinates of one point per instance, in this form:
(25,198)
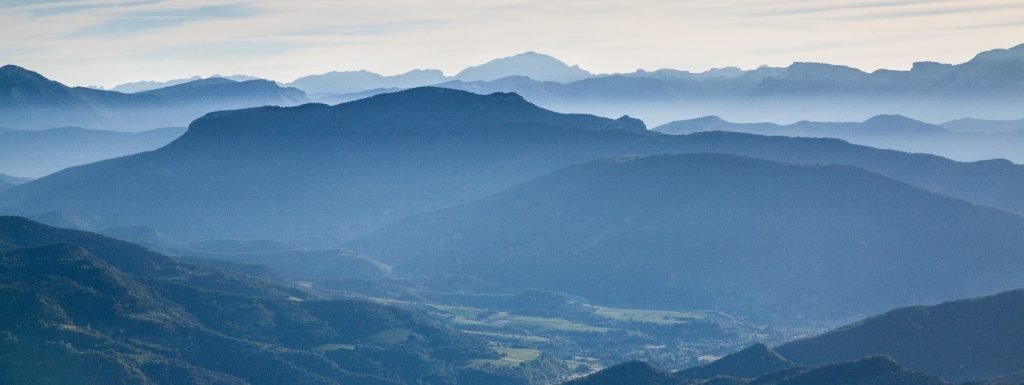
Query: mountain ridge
(962,140)
(972,339)
(29,100)
(736,241)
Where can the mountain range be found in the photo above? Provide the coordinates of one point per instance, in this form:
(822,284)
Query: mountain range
(30,101)
(332,85)
(236,174)
(964,140)
(487,142)
(113,312)
(700,231)
(345,82)
(434,229)
(319,176)
(987,86)
(33,153)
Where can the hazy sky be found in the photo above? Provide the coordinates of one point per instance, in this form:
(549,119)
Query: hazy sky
(106,42)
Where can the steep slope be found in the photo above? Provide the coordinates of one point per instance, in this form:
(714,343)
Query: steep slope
(30,101)
(110,311)
(718,231)
(39,153)
(964,340)
(533,65)
(338,172)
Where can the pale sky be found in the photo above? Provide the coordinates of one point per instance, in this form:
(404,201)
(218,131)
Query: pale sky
(107,42)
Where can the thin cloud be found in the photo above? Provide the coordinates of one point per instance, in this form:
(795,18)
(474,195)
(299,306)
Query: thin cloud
(135,22)
(115,41)
(957,10)
(60,9)
(841,7)
(28,3)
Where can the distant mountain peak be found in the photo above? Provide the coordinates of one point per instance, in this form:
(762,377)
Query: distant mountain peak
(891,118)
(899,123)
(536,66)
(709,119)
(11,67)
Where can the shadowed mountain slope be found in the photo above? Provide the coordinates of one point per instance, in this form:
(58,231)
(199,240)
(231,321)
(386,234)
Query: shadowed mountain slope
(971,339)
(718,231)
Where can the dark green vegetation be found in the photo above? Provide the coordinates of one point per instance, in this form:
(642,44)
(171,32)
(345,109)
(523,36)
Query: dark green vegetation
(968,140)
(93,310)
(963,340)
(39,153)
(30,101)
(718,231)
